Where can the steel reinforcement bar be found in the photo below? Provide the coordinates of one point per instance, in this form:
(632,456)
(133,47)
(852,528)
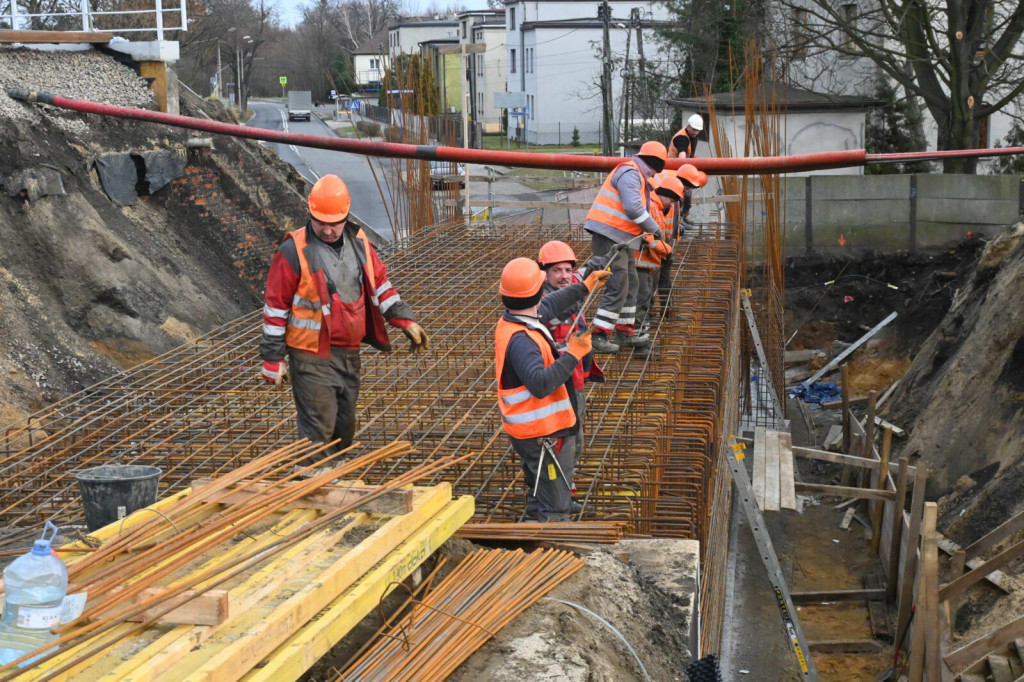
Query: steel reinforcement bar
(653,428)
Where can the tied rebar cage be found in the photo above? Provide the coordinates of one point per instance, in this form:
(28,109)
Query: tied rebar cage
(653,428)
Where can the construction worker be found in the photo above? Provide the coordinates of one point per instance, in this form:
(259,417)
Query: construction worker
(327,293)
(684,142)
(558,262)
(536,396)
(667,193)
(691,179)
(617,220)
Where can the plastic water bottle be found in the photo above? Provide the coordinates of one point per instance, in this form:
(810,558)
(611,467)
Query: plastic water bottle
(34,589)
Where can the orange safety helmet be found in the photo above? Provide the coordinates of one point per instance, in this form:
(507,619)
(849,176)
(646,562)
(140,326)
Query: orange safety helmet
(329,200)
(671,184)
(521,278)
(703,178)
(654,149)
(690,176)
(555,252)
(658,178)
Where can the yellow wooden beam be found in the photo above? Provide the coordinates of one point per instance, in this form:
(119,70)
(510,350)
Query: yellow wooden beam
(299,652)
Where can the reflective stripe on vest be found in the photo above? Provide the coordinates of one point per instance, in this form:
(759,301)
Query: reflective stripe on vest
(607,208)
(523,415)
(306,317)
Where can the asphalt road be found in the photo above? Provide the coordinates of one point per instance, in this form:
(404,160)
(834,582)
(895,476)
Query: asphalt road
(367,205)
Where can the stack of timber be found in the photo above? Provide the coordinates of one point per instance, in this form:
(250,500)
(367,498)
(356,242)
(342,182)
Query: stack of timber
(252,575)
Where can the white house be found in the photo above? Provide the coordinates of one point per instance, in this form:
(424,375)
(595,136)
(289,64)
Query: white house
(554,58)
(487,69)
(809,122)
(406,35)
(370,60)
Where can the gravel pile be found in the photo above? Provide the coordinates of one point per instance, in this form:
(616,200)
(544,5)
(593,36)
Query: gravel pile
(74,74)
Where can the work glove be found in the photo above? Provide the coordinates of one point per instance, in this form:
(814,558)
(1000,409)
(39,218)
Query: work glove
(275,373)
(580,345)
(597,279)
(420,343)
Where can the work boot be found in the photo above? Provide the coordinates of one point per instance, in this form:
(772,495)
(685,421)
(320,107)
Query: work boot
(625,341)
(576,508)
(602,344)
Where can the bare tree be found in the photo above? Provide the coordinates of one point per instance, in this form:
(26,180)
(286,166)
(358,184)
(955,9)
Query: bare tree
(360,20)
(960,57)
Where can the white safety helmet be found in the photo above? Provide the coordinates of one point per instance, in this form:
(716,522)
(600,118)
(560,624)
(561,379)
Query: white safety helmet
(695,122)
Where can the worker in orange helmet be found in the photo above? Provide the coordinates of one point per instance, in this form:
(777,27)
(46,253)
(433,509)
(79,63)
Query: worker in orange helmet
(327,293)
(691,179)
(617,220)
(558,262)
(667,193)
(684,142)
(536,396)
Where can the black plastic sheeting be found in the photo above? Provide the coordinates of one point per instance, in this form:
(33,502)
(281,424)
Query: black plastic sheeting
(124,176)
(34,183)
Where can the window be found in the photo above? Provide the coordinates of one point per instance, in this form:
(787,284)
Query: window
(512,18)
(849,13)
(512,61)
(479,64)
(801,32)
(374,63)
(464,30)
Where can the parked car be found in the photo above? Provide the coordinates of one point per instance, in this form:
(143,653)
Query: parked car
(444,173)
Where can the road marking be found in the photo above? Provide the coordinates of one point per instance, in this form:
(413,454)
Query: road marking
(284,124)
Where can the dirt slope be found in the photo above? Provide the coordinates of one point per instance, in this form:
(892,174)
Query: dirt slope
(87,287)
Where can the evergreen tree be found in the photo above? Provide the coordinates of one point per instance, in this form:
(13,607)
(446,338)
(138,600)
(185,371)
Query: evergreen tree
(892,129)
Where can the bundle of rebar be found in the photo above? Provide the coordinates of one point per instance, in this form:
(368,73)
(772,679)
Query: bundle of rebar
(598,532)
(485,592)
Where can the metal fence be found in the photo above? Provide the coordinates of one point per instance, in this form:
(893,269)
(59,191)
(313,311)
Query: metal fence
(79,15)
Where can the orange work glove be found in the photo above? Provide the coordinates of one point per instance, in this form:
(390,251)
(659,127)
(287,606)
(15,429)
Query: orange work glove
(420,343)
(580,345)
(597,279)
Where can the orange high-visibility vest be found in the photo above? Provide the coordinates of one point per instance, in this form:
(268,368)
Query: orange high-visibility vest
(688,152)
(607,208)
(306,316)
(650,257)
(523,415)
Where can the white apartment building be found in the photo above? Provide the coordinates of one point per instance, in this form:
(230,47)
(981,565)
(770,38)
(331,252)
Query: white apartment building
(487,69)
(405,36)
(554,58)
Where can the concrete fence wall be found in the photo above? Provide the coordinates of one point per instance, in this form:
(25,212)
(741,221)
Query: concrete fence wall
(892,212)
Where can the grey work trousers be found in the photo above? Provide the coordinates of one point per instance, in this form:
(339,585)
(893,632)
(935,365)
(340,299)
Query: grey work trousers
(618,298)
(325,390)
(581,411)
(553,499)
(648,282)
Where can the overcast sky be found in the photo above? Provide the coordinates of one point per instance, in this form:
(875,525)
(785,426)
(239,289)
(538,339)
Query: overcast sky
(291,10)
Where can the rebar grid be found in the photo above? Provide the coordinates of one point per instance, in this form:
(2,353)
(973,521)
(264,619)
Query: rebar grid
(200,410)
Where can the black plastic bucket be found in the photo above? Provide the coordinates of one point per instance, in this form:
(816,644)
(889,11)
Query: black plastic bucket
(112,491)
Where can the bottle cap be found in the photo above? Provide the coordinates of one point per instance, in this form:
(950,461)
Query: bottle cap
(41,547)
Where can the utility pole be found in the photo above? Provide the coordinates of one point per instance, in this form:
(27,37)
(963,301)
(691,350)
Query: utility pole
(604,12)
(219,89)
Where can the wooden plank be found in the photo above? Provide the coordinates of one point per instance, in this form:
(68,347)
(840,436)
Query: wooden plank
(847,646)
(328,497)
(886,394)
(995,536)
(876,522)
(816,596)
(929,580)
(847,433)
(771,471)
(997,578)
(8,36)
(852,460)
(759,465)
(896,542)
(246,641)
(981,647)
(295,655)
(956,569)
(787,472)
(909,573)
(1000,667)
(844,491)
(207,608)
(955,587)
(896,431)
